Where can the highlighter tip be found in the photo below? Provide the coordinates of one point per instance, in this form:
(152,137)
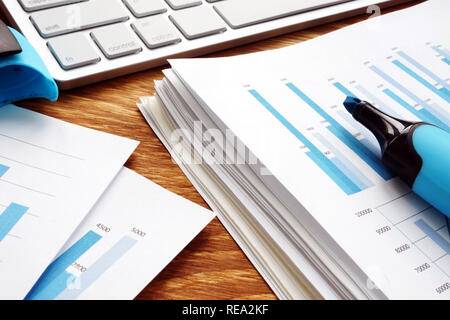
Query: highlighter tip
(351,103)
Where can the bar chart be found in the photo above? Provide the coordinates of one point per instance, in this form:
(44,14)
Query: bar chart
(344,164)
(376,101)
(350,179)
(342,133)
(10,217)
(422,225)
(3,170)
(442,92)
(430,108)
(444,53)
(43,190)
(422,114)
(58,283)
(393,98)
(434,235)
(97,269)
(425,70)
(11,214)
(55,278)
(357,127)
(122,244)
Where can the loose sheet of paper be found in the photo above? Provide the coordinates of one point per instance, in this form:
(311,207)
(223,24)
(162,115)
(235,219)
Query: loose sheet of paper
(286,106)
(51,174)
(132,233)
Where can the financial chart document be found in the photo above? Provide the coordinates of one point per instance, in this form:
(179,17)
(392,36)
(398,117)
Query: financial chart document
(51,174)
(131,234)
(286,105)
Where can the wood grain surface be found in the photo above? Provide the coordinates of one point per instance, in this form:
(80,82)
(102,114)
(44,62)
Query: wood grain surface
(212,266)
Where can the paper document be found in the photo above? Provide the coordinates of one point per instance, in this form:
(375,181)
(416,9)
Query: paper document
(286,106)
(132,233)
(51,174)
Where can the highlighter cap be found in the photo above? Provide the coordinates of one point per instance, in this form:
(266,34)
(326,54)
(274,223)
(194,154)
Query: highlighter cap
(24,75)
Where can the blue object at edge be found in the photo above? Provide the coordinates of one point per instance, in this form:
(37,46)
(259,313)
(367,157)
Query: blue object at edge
(433,181)
(40,85)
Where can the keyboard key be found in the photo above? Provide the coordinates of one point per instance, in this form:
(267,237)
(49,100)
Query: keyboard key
(243,13)
(33,5)
(143,8)
(198,22)
(116,41)
(156,31)
(181,4)
(79,16)
(73,51)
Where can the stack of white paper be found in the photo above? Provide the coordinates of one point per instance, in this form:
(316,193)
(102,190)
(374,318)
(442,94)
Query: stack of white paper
(299,184)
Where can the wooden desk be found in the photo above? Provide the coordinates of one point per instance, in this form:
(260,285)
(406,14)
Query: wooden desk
(212,266)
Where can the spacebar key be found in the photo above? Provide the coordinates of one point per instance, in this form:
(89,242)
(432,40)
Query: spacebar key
(61,20)
(243,13)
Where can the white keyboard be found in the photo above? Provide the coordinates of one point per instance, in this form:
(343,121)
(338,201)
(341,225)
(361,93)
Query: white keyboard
(84,41)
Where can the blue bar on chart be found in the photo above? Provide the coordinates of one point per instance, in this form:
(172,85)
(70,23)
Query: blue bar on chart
(345,165)
(436,110)
(423,114)
(344,135)
(55,278)
(447,61)
(434,235)
(350,120)
(380,104)
(444,94)
(440,113)
(358,127)
(344,89)
(442,51)
(425,70)
(398,86)
(10,217)
(98,268)
(3,170)
(325,164)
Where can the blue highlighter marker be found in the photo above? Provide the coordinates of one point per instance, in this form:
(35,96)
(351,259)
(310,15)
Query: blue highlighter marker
(23,73)
(418,152)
